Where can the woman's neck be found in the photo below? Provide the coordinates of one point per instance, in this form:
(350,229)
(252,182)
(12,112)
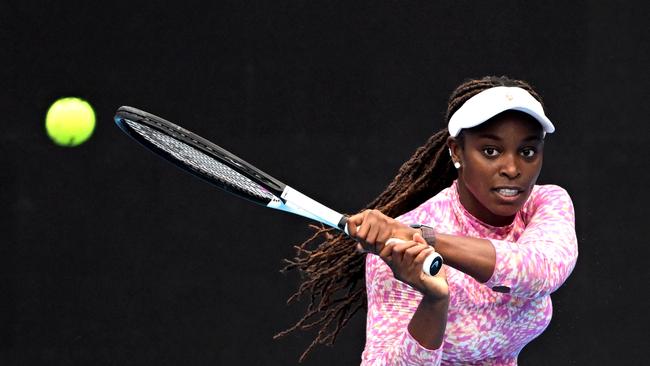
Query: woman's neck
(478,210)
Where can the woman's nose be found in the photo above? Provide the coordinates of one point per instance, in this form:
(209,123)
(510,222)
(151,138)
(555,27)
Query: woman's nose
(509,167)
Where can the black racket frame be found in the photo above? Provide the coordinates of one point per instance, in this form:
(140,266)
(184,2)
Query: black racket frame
(214,151)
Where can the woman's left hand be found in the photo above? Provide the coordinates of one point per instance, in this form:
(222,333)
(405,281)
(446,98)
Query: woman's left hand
(372,229)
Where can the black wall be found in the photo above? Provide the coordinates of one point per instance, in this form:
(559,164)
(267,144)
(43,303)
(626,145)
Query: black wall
(112,257)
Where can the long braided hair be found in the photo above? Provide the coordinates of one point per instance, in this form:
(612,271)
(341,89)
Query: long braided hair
(333,271)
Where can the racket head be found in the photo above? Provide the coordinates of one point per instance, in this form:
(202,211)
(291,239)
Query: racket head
(199,156)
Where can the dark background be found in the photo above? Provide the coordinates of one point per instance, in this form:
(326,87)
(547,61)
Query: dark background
(110,256)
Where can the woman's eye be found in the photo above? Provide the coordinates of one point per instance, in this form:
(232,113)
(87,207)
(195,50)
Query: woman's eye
(528,153)
(490,152)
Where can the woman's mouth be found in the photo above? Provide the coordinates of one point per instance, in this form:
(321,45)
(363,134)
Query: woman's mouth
(508,193)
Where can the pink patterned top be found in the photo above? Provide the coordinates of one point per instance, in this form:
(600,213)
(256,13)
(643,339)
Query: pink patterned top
(534,256)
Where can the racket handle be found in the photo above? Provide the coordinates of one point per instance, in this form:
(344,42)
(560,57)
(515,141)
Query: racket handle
(432,264)
(343,224)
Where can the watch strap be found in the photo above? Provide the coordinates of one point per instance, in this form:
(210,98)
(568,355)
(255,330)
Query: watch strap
(428,233)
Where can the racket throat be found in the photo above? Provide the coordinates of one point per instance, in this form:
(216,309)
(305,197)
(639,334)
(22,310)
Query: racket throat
(297,203)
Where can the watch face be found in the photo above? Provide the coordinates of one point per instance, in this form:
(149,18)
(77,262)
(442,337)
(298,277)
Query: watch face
(418,226)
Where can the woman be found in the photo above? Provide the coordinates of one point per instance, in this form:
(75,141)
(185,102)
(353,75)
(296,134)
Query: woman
(507,243)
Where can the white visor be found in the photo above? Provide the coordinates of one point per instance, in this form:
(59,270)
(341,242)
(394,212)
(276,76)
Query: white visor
(493,101)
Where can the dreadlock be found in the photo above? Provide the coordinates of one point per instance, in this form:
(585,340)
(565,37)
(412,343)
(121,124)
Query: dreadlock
(333,271)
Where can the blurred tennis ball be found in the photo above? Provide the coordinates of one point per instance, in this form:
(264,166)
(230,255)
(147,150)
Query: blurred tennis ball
(70,121)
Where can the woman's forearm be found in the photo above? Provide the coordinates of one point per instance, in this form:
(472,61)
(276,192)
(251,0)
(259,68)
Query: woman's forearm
(427,326)
(473,256)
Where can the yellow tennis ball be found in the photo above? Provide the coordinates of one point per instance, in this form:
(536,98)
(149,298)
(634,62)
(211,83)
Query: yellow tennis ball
(70,121)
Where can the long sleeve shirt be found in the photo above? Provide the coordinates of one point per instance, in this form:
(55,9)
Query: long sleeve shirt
(534,256)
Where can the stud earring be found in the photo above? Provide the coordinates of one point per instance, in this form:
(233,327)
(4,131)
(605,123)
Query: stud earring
(456,164)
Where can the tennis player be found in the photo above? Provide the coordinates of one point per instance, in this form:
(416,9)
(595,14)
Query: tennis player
(469,194)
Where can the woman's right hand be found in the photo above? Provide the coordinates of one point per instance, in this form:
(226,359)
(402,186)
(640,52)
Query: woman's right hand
(406,257)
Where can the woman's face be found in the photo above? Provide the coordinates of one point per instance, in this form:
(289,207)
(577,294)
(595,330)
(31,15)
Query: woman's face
(500,162)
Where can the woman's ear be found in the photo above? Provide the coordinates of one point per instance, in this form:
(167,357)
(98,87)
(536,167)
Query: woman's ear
(455,151)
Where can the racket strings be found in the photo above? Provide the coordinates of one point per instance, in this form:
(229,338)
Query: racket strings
(199,161)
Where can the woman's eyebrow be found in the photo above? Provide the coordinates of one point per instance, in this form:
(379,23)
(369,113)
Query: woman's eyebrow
(489,136)
(533,138)
(498,138)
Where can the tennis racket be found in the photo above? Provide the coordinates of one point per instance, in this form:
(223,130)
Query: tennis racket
(219,167)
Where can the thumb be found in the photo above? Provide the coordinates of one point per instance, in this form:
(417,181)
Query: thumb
(419,239)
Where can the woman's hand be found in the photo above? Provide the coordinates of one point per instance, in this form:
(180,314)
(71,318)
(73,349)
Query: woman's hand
(372,229)
(405,258)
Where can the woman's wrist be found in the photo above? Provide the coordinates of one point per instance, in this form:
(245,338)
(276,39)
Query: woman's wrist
(405,232)
(434,299)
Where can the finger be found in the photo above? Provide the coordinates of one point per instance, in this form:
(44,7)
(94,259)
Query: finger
(387,250)
(362,232)
(371,237)
(363,247)
(382,224)
(355,221)
(383,236)
(411,253)
(419,259)
(351,228)
(419,239)
(399,249)
(357,218)
(386,253)
(363,227)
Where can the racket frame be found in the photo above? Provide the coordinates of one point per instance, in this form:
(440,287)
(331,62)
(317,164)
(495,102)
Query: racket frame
(284,198)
